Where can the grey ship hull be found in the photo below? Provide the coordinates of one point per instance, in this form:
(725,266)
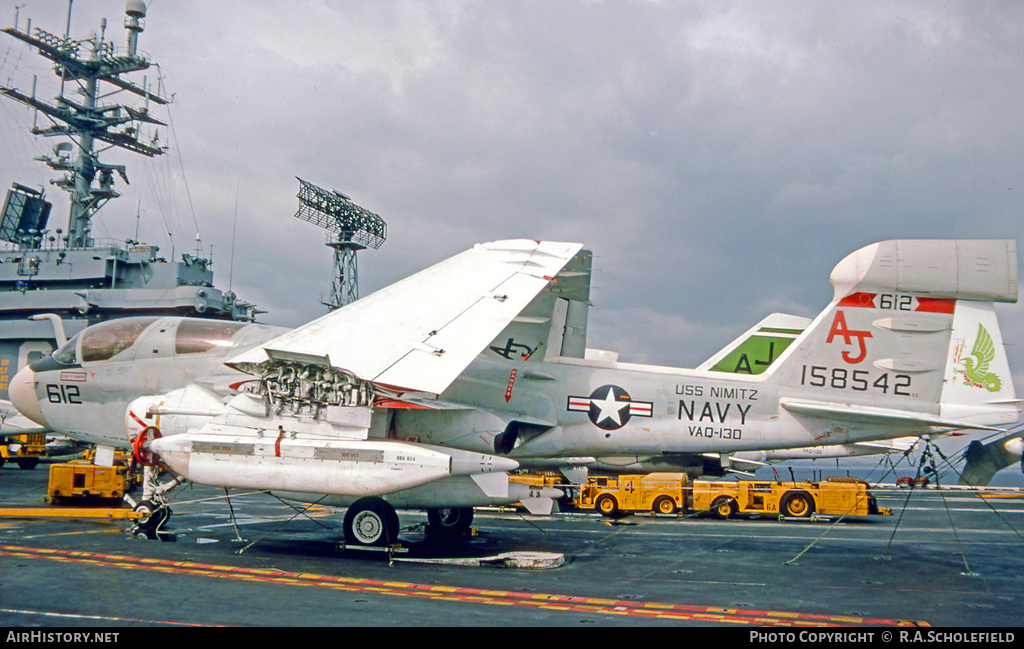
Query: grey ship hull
(87,285)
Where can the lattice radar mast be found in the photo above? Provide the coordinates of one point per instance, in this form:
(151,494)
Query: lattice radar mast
(86,66)
(353,228)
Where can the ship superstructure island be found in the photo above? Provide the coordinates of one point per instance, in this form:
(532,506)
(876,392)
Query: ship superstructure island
(64,270)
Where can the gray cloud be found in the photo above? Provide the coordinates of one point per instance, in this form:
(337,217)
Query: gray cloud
(719,158)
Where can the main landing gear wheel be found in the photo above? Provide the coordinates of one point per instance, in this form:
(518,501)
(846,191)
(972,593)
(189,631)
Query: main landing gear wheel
(449,522)
(797,504)
(371,521)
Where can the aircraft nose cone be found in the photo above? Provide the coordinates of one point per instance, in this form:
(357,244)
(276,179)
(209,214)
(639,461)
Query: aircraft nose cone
(22,391)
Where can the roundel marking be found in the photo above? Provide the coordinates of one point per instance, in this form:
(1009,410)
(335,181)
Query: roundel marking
(609,407)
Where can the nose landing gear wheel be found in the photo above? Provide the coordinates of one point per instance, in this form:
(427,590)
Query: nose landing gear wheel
(154,515)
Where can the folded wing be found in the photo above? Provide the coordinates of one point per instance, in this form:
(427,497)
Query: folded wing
(421,332)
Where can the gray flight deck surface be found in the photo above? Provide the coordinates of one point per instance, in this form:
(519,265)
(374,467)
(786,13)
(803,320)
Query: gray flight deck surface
(641,570)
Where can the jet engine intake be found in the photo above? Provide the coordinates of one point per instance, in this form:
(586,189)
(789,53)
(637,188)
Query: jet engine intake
(515,433)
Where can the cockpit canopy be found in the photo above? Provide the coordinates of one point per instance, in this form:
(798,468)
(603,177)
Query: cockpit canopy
(117,339)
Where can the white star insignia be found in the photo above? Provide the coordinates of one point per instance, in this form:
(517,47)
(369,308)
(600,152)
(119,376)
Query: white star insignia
(610,408)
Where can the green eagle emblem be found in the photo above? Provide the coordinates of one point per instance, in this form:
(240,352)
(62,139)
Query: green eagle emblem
(976,366)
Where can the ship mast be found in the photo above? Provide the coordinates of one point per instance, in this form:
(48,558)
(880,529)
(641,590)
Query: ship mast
(89,63)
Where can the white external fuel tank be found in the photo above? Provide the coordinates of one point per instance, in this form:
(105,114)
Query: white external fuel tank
(242,457)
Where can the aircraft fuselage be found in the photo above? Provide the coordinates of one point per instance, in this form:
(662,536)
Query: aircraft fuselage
(572,407)
(519,409)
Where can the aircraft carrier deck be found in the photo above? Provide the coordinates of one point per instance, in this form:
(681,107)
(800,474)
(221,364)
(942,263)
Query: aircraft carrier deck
(949,559)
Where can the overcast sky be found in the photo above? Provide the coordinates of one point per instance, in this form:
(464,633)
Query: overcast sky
(719,158)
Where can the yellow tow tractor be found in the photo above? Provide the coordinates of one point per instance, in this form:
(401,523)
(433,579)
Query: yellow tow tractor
(834,496)
(81,479)
(97,492)
(671,493)
(661,493)
(25,450)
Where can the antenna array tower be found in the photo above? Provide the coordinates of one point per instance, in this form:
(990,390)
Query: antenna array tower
(85,65)
(354,229)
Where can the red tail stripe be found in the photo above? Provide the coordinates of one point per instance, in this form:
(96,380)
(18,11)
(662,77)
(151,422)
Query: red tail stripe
(935,305)
(859,299)
(863,299)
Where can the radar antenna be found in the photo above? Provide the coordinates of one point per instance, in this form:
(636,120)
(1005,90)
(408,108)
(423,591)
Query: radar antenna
(90,63)
(354,229)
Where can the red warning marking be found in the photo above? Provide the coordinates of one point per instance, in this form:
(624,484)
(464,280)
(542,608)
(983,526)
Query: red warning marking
(859,299)
(866,300)
(511,383)
(935,305)
(395,404)
(277,444)
(136,418)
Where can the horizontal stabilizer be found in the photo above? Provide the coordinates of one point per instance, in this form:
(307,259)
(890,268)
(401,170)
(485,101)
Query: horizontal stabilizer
(957,269)
(872,415)
(984,460)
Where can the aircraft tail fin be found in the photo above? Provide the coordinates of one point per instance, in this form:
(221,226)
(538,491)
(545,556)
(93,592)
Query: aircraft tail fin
(911,338)
(977,373)
(755,351)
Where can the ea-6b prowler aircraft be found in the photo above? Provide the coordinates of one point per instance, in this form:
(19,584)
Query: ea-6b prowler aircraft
(424,394)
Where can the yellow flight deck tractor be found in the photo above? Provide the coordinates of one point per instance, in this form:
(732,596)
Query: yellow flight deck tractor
(835,496)
(83,479)
(662,493)
(669,493)
(88,485)
(25,450)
